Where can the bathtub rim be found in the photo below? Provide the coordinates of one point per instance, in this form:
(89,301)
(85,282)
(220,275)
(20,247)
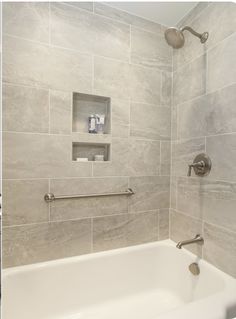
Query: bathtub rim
(113,252)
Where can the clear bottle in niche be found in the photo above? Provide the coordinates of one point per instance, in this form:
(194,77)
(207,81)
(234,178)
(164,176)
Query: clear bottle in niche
(92,124)
(100,123)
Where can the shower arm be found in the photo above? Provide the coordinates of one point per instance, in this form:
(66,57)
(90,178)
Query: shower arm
(192,31)
(203,37)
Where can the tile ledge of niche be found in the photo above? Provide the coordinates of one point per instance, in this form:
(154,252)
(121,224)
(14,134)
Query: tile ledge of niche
(91,138)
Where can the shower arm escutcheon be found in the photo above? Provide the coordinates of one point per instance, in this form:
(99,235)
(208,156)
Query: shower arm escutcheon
(202,36)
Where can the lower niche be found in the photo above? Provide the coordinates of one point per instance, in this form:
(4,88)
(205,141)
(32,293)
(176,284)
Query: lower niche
(89,151)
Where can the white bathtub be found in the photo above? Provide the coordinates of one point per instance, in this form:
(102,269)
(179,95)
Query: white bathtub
(150,281)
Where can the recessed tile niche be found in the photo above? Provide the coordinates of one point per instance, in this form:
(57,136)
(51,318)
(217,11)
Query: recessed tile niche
(89,150)
(85,144)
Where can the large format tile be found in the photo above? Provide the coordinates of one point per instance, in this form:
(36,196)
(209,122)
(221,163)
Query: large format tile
(150,121)
(218,19)
(222,56)
(220,248)
(145,85)
(60,112)
(40,155)
(165,158)
(217,14)
(28,20)
(173,192)
(184,227)
(211,114)
(222,151)
(122,16)
(189,81)
(219,203)
(131,157)
(25,109)
(41,242)
(23,202)
(163,222)
(166,88)
(124,230)
(183,154)
(119,164)
(150,49)
(151,193)
(193,13)
(144,157)
(120,117)
(86,207)
(111,78)
(212,201)
(190,196)
(86,32)
(39,65)
(123,81)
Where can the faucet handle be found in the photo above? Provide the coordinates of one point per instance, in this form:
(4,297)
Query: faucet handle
(201,165)
(190,169)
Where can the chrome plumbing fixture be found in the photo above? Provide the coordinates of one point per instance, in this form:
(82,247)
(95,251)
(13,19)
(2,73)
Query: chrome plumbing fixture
(175,36)
(194,269)
(197,239)
(50,197)
(201,165)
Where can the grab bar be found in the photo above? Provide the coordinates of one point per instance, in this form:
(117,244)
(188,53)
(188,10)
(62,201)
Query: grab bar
(50,197)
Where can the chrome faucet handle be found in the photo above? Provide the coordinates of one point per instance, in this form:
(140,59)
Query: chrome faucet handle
(201,165)
(190,169)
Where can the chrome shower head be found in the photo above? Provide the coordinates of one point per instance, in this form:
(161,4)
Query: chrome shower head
(175,37)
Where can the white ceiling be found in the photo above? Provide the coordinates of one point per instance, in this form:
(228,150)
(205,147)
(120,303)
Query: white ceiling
(166,13)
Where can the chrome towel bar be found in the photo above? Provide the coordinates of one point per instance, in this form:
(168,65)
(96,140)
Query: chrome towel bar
(50,197)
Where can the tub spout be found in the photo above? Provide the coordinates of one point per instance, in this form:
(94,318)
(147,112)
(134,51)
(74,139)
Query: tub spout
(197,239)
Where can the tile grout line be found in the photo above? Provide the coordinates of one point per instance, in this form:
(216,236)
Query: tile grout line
(132,15)
(46,89)
(85,218)
(118,20)
(87,53)
(49,112)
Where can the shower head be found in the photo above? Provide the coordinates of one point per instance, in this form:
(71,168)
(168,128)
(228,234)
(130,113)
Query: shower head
(175,37)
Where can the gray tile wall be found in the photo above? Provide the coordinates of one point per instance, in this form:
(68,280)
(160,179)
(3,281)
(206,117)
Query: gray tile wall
(49,51)
(204,120)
